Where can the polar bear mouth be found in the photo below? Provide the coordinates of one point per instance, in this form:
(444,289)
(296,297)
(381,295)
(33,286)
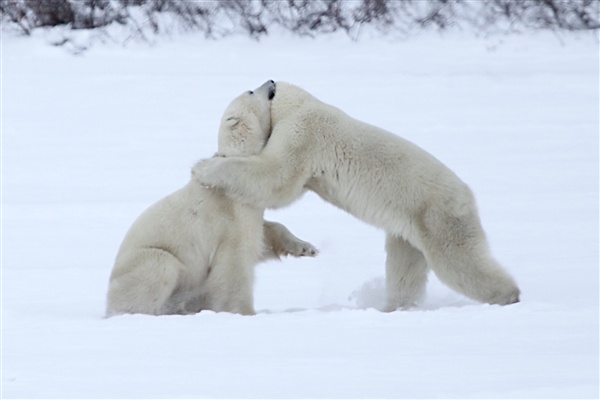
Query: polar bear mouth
(271,94)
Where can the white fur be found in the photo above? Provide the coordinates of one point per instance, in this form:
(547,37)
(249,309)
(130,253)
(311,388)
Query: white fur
(196,249)
(428,213)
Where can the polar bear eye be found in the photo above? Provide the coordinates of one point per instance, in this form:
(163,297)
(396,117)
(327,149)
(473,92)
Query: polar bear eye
(232,121)
(250,92)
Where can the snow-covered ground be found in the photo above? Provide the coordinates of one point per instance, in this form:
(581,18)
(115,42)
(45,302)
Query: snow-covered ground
(90,140)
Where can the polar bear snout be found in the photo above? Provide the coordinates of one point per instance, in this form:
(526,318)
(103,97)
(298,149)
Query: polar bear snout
(267,88)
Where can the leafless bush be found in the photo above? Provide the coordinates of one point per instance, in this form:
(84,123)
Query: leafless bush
(302,17)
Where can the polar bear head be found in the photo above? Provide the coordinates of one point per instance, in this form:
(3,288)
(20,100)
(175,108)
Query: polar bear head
(246,122)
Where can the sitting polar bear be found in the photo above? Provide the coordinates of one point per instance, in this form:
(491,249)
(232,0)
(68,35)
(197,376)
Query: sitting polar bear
(428,213)
(196,249)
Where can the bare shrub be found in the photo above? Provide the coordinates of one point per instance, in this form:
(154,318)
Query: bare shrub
(302,17)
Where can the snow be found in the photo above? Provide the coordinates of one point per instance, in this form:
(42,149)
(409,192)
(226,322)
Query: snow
(90,140)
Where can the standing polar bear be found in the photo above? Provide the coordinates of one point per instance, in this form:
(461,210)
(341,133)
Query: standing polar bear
(196,249)
(428,213)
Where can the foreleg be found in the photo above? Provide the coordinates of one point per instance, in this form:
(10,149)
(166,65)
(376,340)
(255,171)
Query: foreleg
(279,241)
(261,181)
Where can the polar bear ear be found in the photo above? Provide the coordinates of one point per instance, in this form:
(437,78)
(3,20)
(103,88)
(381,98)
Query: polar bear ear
(231,122)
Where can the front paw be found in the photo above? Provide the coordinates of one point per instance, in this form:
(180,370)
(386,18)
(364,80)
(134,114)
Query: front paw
(206,172)
(300,249)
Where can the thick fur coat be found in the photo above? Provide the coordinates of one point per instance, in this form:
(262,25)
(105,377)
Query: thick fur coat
(428,213)
(196,249)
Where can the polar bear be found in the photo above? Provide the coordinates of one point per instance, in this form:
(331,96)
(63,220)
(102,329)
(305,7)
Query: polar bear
(196,248)
(427,212)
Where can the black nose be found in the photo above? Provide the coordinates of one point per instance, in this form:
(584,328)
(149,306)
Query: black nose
(272,81)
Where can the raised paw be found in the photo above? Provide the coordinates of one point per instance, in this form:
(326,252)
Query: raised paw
(206,172)
(300,249)
(279,241)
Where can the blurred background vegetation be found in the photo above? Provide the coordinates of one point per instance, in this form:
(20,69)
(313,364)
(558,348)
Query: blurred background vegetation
(257,18)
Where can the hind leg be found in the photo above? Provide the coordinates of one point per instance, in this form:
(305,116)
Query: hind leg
(477,276)
(406,273)
(458,253)
(142,282)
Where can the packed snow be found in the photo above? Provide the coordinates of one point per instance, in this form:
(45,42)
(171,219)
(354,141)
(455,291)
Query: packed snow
(90,140)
